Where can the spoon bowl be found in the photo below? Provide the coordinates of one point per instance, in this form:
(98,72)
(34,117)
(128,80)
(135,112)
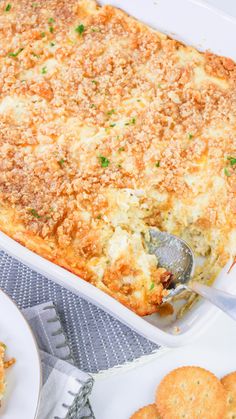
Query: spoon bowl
(175,255)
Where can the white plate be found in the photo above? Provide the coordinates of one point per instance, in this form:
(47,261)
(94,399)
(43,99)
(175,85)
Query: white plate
(24,377)
(119,393)
(181,19)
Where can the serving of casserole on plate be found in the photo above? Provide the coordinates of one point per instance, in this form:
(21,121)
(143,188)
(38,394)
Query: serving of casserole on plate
(3,366)
(108,127)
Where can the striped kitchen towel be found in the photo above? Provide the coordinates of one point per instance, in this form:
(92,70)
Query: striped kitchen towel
(65,388)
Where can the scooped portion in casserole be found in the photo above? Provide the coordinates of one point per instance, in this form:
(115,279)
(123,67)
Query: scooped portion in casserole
(108,127)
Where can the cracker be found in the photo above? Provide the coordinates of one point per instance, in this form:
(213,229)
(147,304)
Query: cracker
(191,393)
(147,412)
(229,383)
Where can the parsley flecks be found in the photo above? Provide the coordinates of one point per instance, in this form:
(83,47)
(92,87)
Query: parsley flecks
(92,105)
(112,125)
(103,161)
(15,54)
(157,163)
(190,136)
(61,162)
(99,216)
(8,7)
(152,286)
(35,55)
(34,213)
(44,70)
(131,122)
(51,20)
(232,160)
(43,34)
(51,29)
(94,82)
(52,44)
(159,85)
(111,112)
(121,149)
(80,29)
(226,172)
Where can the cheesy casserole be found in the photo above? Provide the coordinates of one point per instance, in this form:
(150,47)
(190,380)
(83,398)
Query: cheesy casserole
(3,366)
(108,127)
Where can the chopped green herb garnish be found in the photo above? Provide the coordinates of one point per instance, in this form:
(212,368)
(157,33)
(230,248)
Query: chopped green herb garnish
(51,20)
(92,106)
(80,29)
(52,44)
(232,160)
(43,34)
(94,82)
(99,216)
(226,172)
(34,213)
(112,125)
(190,136)
(157,163)
(61,162)
(8,7)
(35,55)
(44,70)
(95,29)
(159,85)
(138,100)
(152,286)
(111,112)
(15,54)
(131,122)
(121,149)
(119,165)
(104,161)
(51,29)
(35,4)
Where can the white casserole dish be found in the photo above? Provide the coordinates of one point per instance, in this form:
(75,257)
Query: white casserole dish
(206,28)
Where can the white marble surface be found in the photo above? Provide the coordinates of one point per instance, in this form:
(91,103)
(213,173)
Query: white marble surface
(228,6)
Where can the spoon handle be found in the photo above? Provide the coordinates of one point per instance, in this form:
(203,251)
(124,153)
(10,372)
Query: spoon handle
(223,300)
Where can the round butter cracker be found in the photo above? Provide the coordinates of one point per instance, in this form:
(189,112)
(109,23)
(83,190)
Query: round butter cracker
(147,412)
(191,393)
(229,383)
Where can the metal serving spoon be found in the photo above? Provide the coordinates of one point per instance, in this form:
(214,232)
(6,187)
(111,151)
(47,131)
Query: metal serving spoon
(176,256)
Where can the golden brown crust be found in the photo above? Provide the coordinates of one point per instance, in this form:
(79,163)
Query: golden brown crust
(229,383)
(191,392)
(147,412)
(108,127)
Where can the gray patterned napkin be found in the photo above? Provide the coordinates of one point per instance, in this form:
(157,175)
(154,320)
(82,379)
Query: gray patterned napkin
(65,388)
